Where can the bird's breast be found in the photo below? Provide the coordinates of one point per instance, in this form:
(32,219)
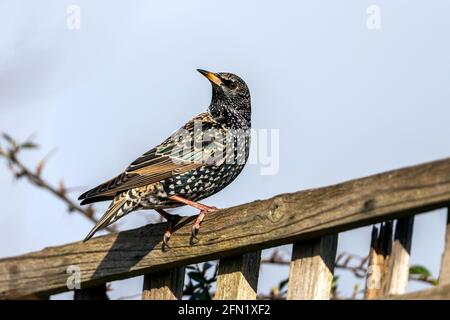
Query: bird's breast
(202,182)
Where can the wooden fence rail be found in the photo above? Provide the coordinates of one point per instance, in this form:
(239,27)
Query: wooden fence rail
(312,219)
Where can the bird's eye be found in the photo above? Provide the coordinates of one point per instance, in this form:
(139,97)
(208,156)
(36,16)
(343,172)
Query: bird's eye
(230,84)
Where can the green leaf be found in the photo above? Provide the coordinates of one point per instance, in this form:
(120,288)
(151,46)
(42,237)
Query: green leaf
(420,271)
(334,283)
(197,277)
(8,138)
(188,289)
(198,286)
(28,145)
(204,295)
(206,266)
(194,296)
(282,284)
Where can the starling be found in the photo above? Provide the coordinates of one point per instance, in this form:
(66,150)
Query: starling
(195,162)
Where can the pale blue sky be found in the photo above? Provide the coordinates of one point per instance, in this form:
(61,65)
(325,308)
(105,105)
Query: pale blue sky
(348,101)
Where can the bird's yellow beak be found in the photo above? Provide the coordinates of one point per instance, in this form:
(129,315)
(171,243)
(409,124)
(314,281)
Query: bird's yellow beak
(211,76)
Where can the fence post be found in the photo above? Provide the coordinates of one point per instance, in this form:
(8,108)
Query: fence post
(92,293)
(312,267)
(380,249)
(444,274)
(164,285)
(237,277)
(398,265)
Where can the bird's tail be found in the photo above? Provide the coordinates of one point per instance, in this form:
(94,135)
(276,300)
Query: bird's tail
(118,208)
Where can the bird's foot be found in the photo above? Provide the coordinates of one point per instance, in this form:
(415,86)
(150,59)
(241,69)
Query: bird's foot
(204,210)
(199,220)
(167,235)
(172,219)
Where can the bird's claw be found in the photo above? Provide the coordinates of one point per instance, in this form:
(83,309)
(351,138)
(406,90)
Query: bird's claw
(195,228)
(199,220)
(171,220)
(166,238)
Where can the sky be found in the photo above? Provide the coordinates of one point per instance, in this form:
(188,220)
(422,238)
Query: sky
(350,94)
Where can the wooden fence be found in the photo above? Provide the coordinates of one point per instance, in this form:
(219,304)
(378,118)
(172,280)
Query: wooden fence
(310,219)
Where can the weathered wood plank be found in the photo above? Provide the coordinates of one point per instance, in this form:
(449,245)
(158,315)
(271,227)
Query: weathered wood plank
(312,269)
(164,285)
(280,220)
(436,293)
(397,274)
(237,277)
(380,249)
(444,274)
(92,293)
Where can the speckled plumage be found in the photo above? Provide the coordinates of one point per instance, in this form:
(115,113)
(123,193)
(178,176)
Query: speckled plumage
(195,162)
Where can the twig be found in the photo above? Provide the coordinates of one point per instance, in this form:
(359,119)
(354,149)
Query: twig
(20,170)
(344,261)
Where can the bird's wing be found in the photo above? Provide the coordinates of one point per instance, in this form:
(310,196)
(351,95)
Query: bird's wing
(176,155)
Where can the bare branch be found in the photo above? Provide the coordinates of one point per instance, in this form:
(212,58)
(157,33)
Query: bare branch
(20,170)
(345,261)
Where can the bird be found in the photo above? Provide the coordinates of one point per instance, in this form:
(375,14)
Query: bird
(198,160)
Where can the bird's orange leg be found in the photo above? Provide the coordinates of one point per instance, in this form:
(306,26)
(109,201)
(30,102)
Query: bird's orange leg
(204,210)
(171,220)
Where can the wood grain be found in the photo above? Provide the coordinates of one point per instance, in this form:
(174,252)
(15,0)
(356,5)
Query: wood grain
(380,250)
(436,293)
(164,285)
(312,269)
(397,274)
(444,274)
(280,220)
(237,277)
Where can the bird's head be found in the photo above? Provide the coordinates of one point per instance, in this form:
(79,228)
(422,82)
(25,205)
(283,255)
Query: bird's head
(230,100)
